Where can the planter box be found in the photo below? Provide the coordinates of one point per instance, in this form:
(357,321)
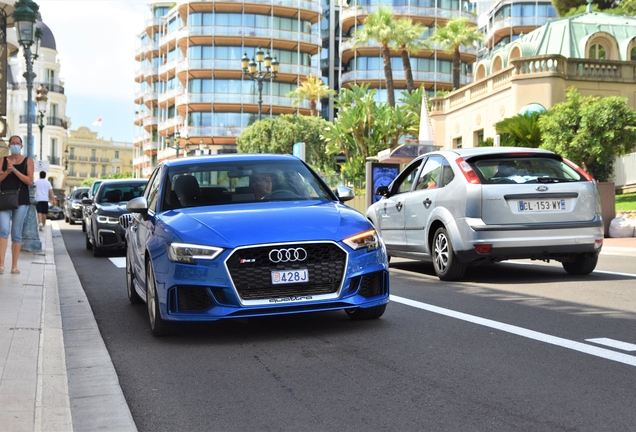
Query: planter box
(608,203)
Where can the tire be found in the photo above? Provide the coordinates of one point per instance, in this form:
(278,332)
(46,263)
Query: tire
(359,314)
(158,325)
(130,284)
(66,219)
(447,266)
(71,221)
(582,264)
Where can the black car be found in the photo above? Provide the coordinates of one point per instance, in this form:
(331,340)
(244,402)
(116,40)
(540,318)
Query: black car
(86,209)
(103,231)
(55,212)
(73,210)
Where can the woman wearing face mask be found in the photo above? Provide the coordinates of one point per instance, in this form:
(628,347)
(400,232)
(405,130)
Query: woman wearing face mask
(16,172)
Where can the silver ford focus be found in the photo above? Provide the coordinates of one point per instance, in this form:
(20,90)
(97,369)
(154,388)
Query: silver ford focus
(464,207)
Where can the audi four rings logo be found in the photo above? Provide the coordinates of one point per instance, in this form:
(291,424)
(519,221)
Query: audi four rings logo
(287,255)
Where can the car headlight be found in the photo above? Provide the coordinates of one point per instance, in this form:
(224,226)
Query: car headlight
(368,239)
(107,220)
(189,253)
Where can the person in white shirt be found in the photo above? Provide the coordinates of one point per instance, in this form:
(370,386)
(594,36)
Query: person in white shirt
(43,193)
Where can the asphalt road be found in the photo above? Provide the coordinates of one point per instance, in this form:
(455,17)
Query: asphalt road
(513,347)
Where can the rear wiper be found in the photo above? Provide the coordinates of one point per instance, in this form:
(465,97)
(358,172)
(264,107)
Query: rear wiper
(551,179)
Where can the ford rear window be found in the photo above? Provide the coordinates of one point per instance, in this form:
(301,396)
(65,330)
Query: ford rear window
(507,170)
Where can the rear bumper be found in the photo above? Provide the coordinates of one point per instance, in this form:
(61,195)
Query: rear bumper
(556,241)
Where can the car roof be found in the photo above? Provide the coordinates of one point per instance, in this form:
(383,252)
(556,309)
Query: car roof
(124,181)
(480,151)
(231,157)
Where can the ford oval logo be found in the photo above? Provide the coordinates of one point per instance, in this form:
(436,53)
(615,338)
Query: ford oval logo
(542,188)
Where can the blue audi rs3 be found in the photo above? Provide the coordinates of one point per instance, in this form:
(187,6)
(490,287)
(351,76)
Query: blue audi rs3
(247,235)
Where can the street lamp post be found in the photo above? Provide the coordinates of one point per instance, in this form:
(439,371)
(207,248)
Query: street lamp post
(29,34)
(254,69)
(41,101)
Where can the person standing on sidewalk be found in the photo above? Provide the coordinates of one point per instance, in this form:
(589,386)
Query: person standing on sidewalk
(43,194)
(16,173)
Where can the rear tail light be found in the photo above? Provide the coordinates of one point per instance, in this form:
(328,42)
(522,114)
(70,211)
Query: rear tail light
(468,172)
(483,248)
(578,169)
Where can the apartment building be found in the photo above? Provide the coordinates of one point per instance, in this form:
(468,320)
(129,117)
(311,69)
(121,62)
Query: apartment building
(89,156)
(191,88)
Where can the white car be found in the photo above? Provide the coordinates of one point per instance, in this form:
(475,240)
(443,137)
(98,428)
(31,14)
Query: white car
(483,205)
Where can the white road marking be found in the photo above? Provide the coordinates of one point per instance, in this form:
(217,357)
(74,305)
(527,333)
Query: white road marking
(624,346)
(120,262)
(595,271)
(520,331)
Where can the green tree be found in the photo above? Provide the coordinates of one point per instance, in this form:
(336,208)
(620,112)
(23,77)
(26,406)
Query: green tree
(406,37)
(521,130)
(457,33)
(364,127)
(590,131)
(312,89)
(563,7)
(379,25)
(279,134)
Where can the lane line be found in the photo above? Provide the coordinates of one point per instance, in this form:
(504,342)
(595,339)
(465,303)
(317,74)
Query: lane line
(595,271)
(520,331)
(624,346)
(120,262)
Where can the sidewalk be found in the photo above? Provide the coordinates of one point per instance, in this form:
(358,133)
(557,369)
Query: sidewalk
(54,377)
(55,371)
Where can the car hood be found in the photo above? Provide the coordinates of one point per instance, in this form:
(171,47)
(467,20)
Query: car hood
(237,225)
(113,207)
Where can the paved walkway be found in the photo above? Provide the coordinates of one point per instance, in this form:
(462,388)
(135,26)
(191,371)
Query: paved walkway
(55,371)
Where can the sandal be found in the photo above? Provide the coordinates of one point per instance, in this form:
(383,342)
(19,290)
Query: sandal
(15,271)
(1,270)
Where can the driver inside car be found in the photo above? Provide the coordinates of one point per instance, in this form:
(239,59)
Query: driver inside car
(261,184)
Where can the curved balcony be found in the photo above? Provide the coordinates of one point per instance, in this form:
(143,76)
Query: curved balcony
(168,70)
(198,101)
(425,15)
(139,117)
(150,123)
(138,140)
(308,10)
(152,25)
(150,73)
(139,74)
(204,68)
(170,95)
(501,28)
(170,125)
(418,76)
(283,39)
(468,54)
(149,98)
(57,121)
(139,97)
(146,51)
(150,146)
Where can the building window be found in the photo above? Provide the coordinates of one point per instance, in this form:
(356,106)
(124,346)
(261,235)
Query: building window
(93,172)
(116,154)
(50,76)
(598,52)
(103,170)
(53,151)
(457,142)
(478,138)
(632,55)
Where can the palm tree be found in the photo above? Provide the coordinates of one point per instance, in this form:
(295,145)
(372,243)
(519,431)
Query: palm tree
(455,34)
(312,89)
(380,26)
(521,130)
(407,39)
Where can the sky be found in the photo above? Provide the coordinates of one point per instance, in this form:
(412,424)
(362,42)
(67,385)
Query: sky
(96,41)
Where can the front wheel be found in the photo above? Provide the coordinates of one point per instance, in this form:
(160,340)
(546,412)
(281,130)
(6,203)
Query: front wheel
(582,264)
(158,325)
(359,314)
(447,266)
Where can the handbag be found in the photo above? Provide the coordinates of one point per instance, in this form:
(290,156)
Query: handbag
(9,199)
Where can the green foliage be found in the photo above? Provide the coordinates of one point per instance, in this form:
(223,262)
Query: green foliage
(279,134)
(521,130)
(89,181)
(312,89)
(626,202)
(565,7)
(590,131)
(364,127)
(457,33)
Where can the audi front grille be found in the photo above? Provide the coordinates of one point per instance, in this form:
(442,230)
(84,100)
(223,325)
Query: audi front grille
(251,268)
